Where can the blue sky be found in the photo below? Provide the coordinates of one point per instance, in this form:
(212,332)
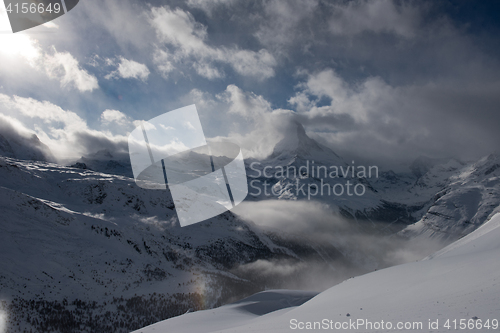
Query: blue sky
(384,81)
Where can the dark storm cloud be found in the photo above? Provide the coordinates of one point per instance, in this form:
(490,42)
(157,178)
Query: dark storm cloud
(389,124)
(93,143)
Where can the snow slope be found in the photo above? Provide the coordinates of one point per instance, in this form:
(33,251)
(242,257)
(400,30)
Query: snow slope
(235,314)
(116,163)
(460,282)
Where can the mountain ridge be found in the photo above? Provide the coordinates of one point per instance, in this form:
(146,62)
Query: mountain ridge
(297,144)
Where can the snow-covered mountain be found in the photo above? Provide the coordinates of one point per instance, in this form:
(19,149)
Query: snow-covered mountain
(454,290)
(25,147)
(300,168)
(443,199)
(86,243)
(469,196)
(396,200)
(296,147)
(77,240)
(116,163)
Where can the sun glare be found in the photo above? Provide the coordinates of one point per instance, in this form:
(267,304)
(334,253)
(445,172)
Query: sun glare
(16,44)
(19,45)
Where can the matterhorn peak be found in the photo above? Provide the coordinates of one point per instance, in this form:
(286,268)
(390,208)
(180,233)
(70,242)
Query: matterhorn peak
(296,144)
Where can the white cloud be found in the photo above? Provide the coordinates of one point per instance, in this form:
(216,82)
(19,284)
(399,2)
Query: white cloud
(63,131)
(188,125)
(51,25)
(249,63)
(162,60)
(173,147)
(262,127)
(389,124)
(248,105)
(130,69)
(167,128)
(352,101)
(357,16)
(147,125)
(114,116)
(241,117)
(49,113)
(206,69)
(369,119)
(259,64)
(21,48)
(109,62)
(179,29)
(319,222)
(64,67)
(271,268)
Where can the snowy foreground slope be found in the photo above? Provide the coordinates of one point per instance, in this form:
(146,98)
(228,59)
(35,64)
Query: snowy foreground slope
(458,286)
